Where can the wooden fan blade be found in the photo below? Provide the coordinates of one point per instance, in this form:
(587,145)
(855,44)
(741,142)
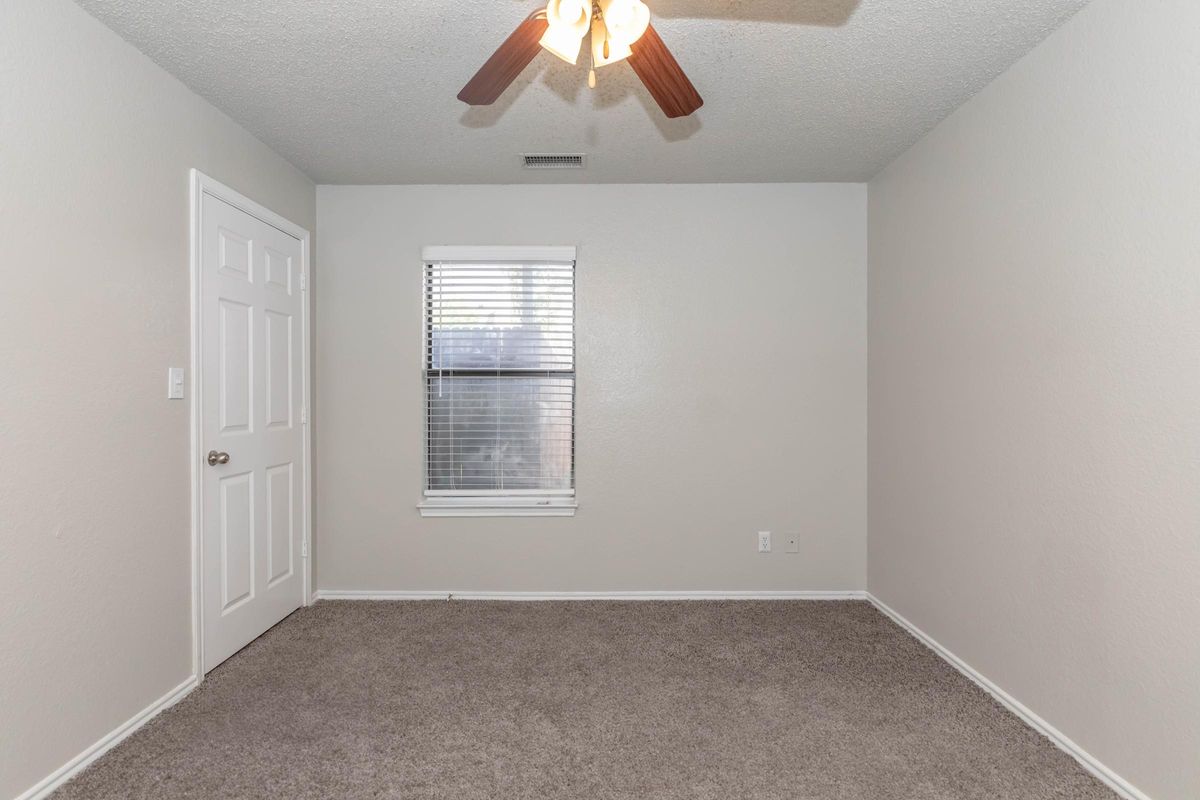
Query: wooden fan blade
(506,63)
(663,76)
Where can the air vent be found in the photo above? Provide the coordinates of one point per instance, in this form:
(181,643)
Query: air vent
(554,160)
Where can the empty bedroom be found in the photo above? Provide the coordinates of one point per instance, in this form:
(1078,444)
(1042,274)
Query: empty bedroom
(600,400)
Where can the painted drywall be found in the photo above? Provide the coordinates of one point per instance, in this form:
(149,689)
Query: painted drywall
(721,388)
(1035,388)
(95,147)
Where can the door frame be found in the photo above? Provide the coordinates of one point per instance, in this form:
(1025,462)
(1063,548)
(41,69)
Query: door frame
(200,185)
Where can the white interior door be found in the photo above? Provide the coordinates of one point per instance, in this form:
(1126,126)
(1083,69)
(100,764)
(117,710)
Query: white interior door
(252,440)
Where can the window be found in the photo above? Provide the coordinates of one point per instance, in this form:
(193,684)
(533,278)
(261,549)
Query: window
(499,364)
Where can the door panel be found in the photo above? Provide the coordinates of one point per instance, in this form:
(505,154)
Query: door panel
(237,359)
(252,390)
(237,540)
(281,522)
(279,370)
(235,254)
(279,270)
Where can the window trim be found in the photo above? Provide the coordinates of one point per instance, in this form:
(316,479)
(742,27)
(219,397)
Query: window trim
(519,254)
(506,506)
(494,503)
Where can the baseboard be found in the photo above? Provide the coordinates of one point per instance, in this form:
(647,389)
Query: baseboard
(1089,762)
(67,771)
(354,594)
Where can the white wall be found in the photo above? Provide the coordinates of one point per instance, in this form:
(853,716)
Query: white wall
(1035,386)
(721,388)
(95,147)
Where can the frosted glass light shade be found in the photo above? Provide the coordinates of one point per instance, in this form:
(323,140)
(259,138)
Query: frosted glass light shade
(626,20)
(569,22)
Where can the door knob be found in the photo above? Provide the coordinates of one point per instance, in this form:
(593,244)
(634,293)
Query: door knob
(215,458)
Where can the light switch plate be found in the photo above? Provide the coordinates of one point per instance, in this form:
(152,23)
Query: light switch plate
(175,383)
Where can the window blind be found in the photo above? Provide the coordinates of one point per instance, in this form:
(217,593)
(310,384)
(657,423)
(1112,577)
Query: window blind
(499,378)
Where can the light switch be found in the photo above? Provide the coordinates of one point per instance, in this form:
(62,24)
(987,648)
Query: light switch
(175,383)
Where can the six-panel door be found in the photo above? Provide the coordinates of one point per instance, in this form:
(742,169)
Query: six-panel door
(252,388)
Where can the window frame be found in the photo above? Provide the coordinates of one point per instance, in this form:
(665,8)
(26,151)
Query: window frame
(496,502)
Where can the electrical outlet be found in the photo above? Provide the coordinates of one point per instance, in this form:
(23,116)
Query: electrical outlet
(764,541)
(793,544)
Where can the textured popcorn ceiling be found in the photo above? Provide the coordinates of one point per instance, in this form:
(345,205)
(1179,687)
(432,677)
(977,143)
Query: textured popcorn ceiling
(363,91)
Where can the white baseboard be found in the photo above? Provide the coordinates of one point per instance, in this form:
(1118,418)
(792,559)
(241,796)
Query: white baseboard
(1089,762)
(67,771)
(354,594)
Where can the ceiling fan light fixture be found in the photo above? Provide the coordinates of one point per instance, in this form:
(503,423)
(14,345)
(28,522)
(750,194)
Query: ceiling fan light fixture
(626,20)
(569,21)
(560,28)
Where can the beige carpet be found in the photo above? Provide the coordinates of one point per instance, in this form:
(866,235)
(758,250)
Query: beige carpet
(653,700)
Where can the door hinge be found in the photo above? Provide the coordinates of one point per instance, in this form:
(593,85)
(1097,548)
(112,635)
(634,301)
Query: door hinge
(303,282)
(304,416)
(304,548)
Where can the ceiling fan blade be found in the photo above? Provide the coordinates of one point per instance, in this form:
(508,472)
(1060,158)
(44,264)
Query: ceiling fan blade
(663,76)
(506,63)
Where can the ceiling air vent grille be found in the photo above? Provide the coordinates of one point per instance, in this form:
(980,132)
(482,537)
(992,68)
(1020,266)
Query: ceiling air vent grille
(554,160)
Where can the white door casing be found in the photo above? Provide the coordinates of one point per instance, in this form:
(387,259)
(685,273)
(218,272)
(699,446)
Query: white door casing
(249,401)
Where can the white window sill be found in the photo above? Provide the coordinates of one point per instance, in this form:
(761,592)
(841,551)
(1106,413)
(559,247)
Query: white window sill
(497,507)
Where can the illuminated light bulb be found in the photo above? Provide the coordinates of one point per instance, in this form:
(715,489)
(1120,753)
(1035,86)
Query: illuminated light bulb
(626,20)
(605,51)
(568,24)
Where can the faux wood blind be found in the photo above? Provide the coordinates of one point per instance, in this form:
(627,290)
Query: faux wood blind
(500,378)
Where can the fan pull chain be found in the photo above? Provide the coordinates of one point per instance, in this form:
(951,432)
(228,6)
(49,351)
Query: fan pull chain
(597,13)
(592,70)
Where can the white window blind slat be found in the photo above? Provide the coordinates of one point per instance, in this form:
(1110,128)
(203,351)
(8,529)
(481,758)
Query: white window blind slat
(499,378)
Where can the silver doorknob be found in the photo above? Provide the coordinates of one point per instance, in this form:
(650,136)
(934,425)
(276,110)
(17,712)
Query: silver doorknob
(215,458)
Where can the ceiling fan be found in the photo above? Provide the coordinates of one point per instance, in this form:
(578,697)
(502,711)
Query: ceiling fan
(619,29)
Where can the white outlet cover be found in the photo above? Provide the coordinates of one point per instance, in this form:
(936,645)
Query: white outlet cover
(764,541)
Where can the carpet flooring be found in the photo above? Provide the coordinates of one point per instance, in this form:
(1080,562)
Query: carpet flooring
(600,700)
